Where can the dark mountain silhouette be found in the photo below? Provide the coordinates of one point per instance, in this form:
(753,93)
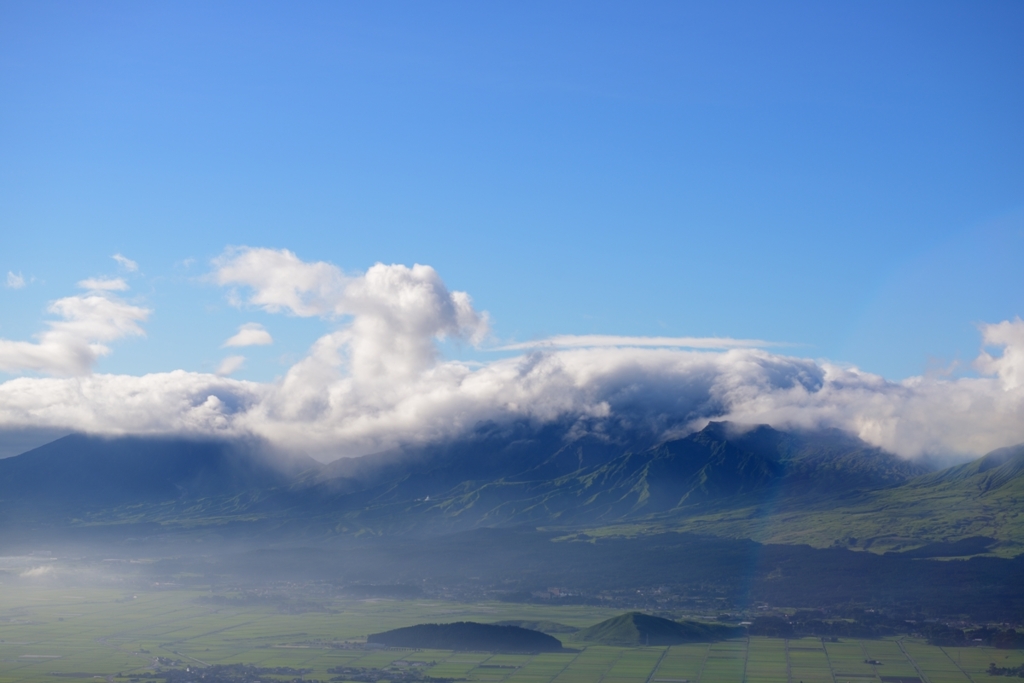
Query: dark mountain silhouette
(81,473)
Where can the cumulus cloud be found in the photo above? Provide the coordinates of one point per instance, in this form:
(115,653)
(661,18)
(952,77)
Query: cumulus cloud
(397,313)
(376,380)
(250,334)
(230,365)
(126,263)
(176,402)
(318,408)
(1009,366)
(280,281)
(15,281)
(73,344)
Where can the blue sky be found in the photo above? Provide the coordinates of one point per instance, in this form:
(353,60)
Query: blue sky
(843,177)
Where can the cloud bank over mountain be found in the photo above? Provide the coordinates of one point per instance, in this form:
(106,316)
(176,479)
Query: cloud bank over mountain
(377,380)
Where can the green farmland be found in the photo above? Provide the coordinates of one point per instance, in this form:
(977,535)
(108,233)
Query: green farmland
(82,635)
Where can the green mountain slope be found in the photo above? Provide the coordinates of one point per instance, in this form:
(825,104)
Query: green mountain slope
(983,499)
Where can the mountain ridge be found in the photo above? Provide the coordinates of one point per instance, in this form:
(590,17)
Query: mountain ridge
(824,488)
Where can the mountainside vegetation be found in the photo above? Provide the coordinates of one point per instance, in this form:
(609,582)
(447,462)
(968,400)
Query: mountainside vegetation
(961,511)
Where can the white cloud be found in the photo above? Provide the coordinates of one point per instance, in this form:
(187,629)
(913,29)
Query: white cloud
(281,282)
(250,334)
(126,263)
(74,343)
(319,408)
(1009,367)
(571,341)
(230,365)
(173,402)
(15,281)
(98,284)
(376,381)
(397,313)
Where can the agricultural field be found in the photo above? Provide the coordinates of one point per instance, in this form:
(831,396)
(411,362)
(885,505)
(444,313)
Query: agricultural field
(74,636)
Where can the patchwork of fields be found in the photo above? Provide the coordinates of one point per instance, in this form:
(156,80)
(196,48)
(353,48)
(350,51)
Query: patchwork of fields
(67,636)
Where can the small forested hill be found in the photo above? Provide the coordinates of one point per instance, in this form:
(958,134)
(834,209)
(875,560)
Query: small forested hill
(639,629)
(468,635)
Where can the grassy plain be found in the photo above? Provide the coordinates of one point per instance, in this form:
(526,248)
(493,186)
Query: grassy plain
(103,633)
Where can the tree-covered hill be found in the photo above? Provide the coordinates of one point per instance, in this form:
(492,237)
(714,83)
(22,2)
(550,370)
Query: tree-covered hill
(468,635)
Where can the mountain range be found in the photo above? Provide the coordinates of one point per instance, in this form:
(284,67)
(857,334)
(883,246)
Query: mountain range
(822,488)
